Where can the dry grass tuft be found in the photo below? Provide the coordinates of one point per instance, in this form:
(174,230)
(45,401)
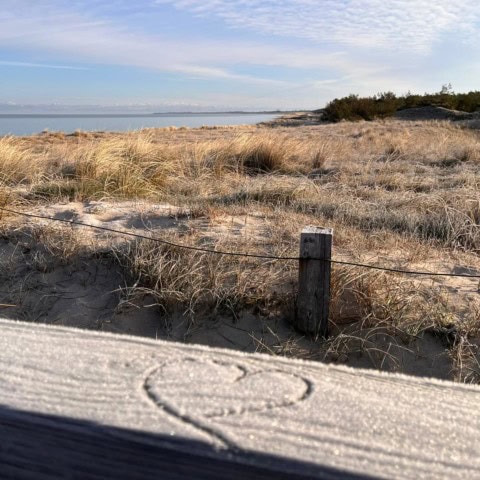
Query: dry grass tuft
(128,167)
(16,163)
(195,283)
(265,154)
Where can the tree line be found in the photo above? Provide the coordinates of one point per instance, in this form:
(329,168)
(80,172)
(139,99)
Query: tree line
(382,105)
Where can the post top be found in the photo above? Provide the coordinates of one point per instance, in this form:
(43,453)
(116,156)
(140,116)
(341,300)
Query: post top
(317,230)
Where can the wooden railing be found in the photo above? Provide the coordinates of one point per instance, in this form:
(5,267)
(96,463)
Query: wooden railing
(77,404)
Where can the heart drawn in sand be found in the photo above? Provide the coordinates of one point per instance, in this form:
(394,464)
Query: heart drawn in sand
(198,390)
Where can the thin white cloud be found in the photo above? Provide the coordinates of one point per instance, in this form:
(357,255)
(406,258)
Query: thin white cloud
(39,65)
(393,24)
(49,28)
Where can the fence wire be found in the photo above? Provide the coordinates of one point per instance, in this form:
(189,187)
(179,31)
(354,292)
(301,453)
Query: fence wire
(238,254)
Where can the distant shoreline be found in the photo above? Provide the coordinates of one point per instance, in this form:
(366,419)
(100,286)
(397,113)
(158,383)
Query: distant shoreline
(233,112)
(133,115)
(31,124)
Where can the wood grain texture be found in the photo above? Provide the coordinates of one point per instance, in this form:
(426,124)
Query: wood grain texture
(314,281)
(76,404)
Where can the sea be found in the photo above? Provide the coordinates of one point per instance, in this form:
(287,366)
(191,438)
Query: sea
(30,124)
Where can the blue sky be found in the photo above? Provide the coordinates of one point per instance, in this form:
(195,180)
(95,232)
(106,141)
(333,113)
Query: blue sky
(245,54)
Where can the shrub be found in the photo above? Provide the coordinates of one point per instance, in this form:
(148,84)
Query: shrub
(384,105)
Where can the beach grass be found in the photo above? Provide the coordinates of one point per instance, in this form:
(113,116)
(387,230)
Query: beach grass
(398,194)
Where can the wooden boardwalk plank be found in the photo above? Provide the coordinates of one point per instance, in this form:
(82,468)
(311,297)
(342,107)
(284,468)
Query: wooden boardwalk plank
(81,404)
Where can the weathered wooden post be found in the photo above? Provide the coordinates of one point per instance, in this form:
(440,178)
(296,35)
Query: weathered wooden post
(314,281)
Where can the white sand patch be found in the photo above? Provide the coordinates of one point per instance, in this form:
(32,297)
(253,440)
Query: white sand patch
(136,217)
(150,219)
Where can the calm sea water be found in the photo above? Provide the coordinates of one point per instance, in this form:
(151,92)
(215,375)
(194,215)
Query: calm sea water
(31,124)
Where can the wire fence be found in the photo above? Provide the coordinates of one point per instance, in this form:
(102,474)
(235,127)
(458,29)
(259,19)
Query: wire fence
(237,254)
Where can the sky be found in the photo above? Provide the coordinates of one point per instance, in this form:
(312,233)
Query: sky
(231,54)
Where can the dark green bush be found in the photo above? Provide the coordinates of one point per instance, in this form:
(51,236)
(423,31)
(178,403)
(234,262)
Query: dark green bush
(386,104)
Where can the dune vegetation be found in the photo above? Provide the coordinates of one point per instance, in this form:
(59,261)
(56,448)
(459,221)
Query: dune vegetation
(397,194)
(387,104)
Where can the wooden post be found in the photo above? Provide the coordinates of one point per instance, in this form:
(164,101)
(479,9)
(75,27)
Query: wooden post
(314,281)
